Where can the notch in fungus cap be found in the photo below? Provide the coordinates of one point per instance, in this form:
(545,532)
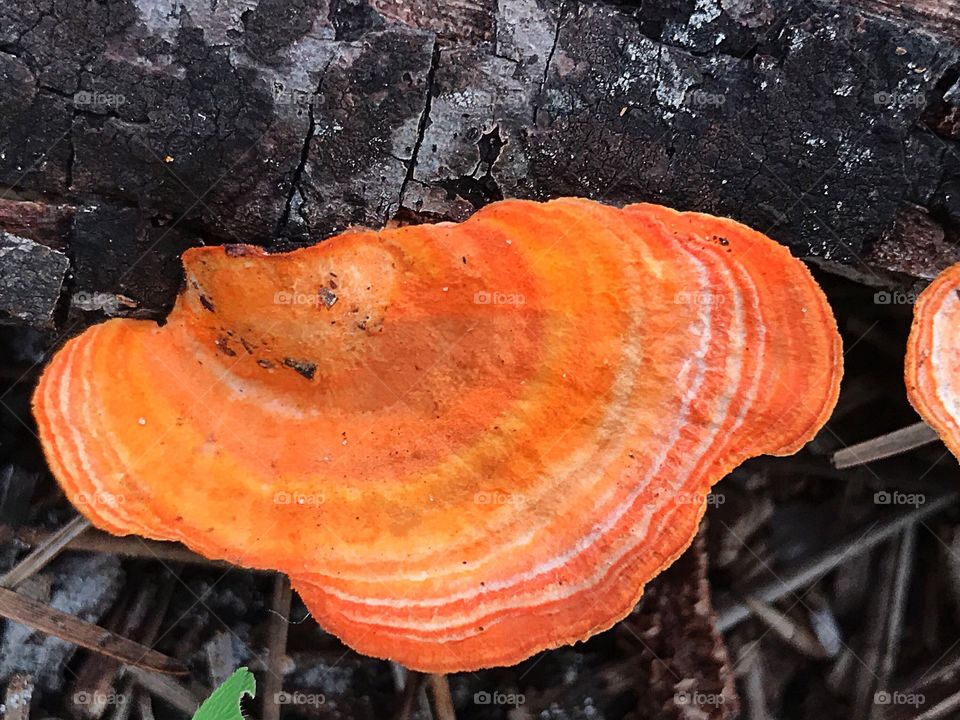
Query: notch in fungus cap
(465,443)
(932,367)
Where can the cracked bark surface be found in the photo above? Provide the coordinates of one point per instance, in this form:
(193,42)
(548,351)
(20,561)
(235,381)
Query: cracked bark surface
(31,275)
(257,121)
(254,121)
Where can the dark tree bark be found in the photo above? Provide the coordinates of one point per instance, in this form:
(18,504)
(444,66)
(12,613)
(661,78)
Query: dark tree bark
(169,124)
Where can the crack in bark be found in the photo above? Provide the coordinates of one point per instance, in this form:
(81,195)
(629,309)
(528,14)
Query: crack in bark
(561,15)
(304,155)
(297,172)
(71,156)
(72,148)
(422,124)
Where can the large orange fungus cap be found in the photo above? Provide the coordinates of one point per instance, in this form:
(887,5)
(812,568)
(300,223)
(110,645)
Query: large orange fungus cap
(465,442)
(932,368)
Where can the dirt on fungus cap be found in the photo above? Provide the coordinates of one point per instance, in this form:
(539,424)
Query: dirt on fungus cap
(932,367)
(466,443)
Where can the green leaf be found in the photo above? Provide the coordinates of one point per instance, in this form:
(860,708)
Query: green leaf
(224,703)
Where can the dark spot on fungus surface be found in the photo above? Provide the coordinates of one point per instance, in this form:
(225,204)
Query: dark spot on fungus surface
(207,304)
(307,369)
(265,364)
(723,241)
(223,346)
(246,346)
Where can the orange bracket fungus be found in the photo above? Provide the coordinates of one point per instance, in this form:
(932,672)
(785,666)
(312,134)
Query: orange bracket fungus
(932,368)
(465,443)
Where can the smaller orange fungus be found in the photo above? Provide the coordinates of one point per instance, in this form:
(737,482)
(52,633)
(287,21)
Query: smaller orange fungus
(932,368)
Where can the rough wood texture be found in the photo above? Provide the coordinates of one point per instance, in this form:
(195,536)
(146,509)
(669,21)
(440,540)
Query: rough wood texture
(31,276)
(930,14)
(165,126)
(683,666)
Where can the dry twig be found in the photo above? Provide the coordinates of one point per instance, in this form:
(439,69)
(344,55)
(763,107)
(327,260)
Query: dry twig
(46,619)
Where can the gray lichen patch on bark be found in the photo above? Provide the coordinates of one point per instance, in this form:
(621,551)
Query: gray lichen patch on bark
(31,276)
